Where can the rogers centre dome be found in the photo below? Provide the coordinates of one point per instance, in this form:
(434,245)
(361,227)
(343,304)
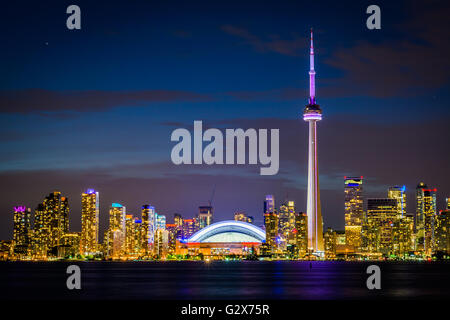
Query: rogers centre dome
(223,238)
(229,231)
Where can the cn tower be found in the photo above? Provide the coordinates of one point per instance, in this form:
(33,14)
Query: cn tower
(312,114)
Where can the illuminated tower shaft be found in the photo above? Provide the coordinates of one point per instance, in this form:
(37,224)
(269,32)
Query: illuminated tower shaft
(312,114)
(315,228)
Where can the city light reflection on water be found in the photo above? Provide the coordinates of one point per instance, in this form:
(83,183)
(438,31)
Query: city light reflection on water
(223,280)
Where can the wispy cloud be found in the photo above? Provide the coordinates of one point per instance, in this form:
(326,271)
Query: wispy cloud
(44,101)
(271,43)
(400,68)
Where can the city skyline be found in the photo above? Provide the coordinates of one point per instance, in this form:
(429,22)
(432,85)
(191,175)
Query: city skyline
(134,83)
(385,231)
(258,220)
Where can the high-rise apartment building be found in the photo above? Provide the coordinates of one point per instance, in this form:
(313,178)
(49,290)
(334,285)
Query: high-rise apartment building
(189,228)
(21,231)
(271,225)
(353,189)
(148,216)
(330,244)
(115,235)
(130,235)
(161,243)
(379,225)
(160,221)
(89,222)
(51,224)
(205,216)
(172,236)
(301,233)
(178,222)
(442,232)
(286,222)
(399,194)
(429,212)
(269,204)
(403,231)
(419,224)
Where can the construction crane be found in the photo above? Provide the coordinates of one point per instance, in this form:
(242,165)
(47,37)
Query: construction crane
(212,195)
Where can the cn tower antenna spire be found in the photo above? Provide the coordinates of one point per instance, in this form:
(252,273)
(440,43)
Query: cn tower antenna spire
(312,73)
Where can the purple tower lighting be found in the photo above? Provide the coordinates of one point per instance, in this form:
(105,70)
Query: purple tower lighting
(312,114)
(20,209)
(312,73)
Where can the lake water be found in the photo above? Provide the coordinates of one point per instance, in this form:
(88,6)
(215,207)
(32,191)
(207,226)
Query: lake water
(223,280)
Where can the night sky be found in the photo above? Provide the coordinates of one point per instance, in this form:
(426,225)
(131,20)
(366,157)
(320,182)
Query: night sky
(94,108)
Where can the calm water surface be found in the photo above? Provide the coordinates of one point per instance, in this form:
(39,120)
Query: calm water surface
(223,280)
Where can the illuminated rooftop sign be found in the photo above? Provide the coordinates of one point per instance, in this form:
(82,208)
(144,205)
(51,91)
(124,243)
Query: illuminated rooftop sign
(20,209)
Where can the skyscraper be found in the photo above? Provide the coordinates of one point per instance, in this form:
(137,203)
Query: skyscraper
(160,221)
(271,225)
(286,221)
(189,228)
(115,235)
(353,211)
(330,244)
(89,222)
(161,243)
(301,233)
(379,225)
(269,204)
(51,223)
(22,222)
(172,230)
(420,217)
(178,221)
(204,218)
(130,236)
(312,113)
(403,230)
(429,211)
(399,194)
(148,226)
(442,232)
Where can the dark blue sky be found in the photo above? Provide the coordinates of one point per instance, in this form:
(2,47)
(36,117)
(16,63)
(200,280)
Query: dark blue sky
(95,107)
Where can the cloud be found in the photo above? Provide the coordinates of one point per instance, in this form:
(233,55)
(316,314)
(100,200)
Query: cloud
(45,101)
(291,94)
(272,43)
(408,67)
(404,67)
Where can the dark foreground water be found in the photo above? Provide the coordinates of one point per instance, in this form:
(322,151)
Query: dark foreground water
(223,280)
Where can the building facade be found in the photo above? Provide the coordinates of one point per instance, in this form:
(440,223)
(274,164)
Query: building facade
(89,222)
(21,230)
(353,211)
